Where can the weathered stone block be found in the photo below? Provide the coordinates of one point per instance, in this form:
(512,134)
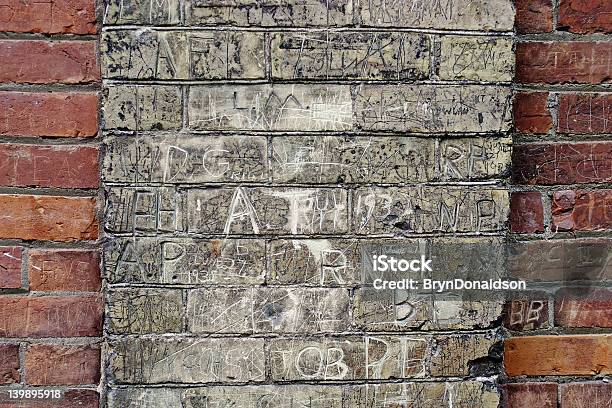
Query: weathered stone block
(161,360)
(390,210)
(490,15)
(270,107)
(144,210)
(399,310)
(220,310)
(244,396)
(464,394)
(139,12)
(475,58)
(433,108)
(185,261)
(332,159)
(139,311)
(151,107)
(310,311)
(347,55)
(348,358)
(192,159)
(474,158)
(453,355)
(264,310)
(270,13)
(314,262)
(151,54)
(266,210)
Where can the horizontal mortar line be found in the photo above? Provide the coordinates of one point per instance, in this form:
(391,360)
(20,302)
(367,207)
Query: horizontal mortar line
(296,336)
(562,235)
(562,36)
(92,87)
(53,340)
(493,134)
(51,141)
(556,141)
(564,88)
(563,138)
(50,38)
(49,191)
(280,29)
(319,382)
(314,185)
(270,238)
(398,234)
(562,187)
(40,293)
(126,287)
(560,379)
(54,245)
(302,81)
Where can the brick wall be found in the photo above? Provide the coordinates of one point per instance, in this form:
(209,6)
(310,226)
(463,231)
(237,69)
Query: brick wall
(252,153)
(561,204)
(50,302)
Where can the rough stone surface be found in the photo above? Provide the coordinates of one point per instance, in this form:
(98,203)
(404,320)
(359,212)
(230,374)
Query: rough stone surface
(460,14)
(350,55)
(257,154)
(163,360)
(432,108)
(476,59)
(419,394)
(183,55)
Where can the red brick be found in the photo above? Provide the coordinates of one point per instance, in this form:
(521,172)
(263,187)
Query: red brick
(582,210)
(62,365)
(49,166)
(561,260)
(51,316)
(71,399)
(530,395)
(583,307)
(585,16)
(586,394)
(558,355)
(562,163)
(531,115)
(9,363)
(533,16)
(563,62)
(60,114)
(10,267)
(50,16)
(45,62)
(526,212)
(585,113)
(48,218)
(64,270)
(526,314)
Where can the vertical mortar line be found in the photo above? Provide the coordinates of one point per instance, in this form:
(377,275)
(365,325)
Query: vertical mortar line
(22,359)
(185,106)
(268,55)
(25,268)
